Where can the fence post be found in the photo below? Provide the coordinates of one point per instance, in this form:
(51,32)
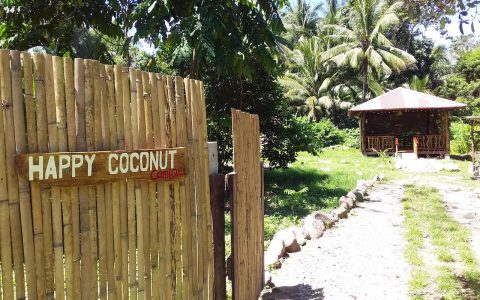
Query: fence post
(217,196)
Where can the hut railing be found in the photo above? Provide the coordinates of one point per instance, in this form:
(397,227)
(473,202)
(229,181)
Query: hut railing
(380,143)
(432,142)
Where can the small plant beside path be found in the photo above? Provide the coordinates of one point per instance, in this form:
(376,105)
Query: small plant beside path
(438,249)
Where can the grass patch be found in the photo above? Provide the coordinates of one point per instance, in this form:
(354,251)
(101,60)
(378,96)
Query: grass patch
(316,182)
(426,217)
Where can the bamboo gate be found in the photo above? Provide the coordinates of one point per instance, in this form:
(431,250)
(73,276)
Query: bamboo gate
(126,239)
(247,208)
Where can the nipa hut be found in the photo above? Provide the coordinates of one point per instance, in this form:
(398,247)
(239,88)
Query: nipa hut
(403,120)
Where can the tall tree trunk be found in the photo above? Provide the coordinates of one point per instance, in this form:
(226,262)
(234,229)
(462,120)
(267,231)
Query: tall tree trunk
(193,63)
(365,80)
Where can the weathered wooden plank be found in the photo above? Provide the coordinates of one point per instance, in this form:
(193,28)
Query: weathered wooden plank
(217,204)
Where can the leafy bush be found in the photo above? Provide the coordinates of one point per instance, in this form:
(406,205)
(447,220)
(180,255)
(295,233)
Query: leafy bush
(328,134)
(351,137)
(318,135)
(460,137)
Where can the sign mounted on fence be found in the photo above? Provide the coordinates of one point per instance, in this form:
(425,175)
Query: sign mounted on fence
(87,168)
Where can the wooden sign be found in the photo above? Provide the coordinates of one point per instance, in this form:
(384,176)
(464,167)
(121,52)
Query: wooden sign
(88,168)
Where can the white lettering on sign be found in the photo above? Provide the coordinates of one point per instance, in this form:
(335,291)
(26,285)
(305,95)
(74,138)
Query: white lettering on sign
(134,162)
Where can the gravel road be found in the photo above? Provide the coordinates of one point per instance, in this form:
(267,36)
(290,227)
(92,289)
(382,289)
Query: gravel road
(360,258)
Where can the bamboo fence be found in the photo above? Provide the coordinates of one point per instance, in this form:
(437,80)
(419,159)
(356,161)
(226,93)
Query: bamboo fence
(126,239)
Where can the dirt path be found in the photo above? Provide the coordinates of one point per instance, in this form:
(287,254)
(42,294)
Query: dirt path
(362,257)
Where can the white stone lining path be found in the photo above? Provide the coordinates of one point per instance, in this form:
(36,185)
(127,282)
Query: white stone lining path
(360,258)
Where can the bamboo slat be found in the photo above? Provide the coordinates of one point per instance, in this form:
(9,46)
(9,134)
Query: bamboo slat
(171,262)
(190,97)
(87,194)
(122,265)
(150,208)
(163,195)
(152,112)
(12,179)
(71,214)
(59,195)
(111,189)
(136,85)
(5,235)
(99,93)
(206,185)
(185,193)
(33,114)
(130,92)
(43,89)
(21,145)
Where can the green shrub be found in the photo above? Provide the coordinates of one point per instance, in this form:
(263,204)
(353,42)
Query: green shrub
(328,134)
(351,137)
(460,142)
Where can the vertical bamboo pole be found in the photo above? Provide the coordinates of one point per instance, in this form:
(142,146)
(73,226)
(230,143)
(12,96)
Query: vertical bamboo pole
(197,148)
(98,83)
(121,264)
(116,192)
(148,189)
(208,251)
(130,94)
(191,187)
(5,235)
(173,201)
(447,133)
(12,179)
(72,231)
(192,169)
(24,188)
(35,289)
(111,192)
(185,196)
(57,193)
(163,198)
(35,118)
(137,138)
(472,139)
(152,110)
(91,288)
(85,290)
(44,90)
(53,205)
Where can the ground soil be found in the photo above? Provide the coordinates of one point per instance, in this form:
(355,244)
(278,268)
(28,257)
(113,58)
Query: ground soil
(362,256)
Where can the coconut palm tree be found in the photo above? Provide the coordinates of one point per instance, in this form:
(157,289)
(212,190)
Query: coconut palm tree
(311,85)
(362,44)
(419,84)
(301,20)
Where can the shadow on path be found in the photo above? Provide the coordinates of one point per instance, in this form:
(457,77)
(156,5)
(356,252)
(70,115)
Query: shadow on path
(299,291)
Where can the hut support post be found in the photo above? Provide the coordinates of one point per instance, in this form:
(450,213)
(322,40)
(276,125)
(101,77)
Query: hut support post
(447,135)
(362,132)
(472,138)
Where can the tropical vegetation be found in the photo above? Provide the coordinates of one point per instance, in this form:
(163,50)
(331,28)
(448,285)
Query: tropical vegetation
(299,64)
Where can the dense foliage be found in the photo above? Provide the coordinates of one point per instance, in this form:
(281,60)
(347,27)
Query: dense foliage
(299,64)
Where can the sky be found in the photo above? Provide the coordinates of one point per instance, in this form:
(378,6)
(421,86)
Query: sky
(439,40)
(453,31)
